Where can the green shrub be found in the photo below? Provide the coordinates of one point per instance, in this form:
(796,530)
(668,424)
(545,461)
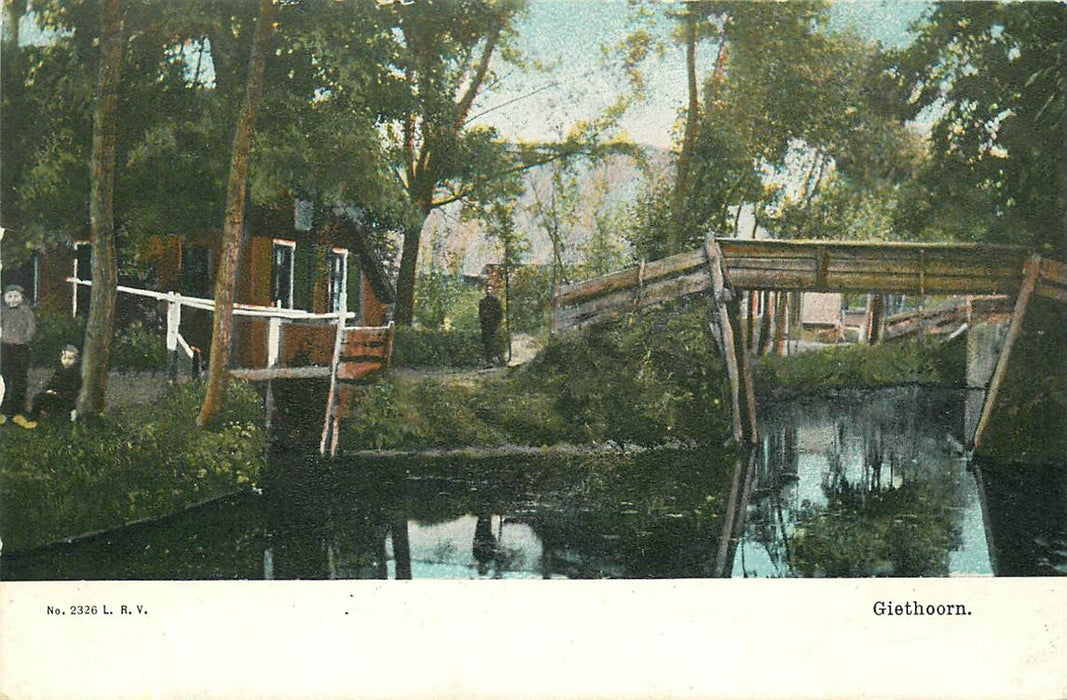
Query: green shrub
(53,332)
(646,379)
(530,299)
(64,479)
(135,348)
(138,349)
(855,366)
(420,347)
(443,300)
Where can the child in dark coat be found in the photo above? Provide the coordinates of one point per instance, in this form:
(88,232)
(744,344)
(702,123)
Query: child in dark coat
(61,393)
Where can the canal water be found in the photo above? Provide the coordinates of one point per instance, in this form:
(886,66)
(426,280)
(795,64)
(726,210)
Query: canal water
(859,484)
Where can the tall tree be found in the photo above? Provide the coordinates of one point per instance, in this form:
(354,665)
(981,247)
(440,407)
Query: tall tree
(991,76)
(694,23)
(445,55)
(101,322)
(233,228)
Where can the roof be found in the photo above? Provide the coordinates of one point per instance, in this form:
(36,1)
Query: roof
(349,225)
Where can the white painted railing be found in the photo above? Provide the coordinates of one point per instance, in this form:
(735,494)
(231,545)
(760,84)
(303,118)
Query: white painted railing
(274,316)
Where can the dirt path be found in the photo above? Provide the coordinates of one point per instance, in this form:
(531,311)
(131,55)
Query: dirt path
(141,388)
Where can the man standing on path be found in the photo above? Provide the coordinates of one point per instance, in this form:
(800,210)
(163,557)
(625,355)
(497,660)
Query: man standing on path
(490,314)
(17,328)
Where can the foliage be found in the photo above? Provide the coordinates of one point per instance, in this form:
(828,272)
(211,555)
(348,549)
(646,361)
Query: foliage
(53,332)
(783,87)
(135,348)
(648,381)
(857,366)
(445,300)
(63,479)
(990,77)
(530,300)
(425,347)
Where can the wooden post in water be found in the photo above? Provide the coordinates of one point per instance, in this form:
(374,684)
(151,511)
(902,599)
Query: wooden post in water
(875,318)
(781,319)
(1026,289)
(719,325)
(765,323)
(745,360)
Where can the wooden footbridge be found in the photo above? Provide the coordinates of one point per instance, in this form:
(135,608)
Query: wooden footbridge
(724,268)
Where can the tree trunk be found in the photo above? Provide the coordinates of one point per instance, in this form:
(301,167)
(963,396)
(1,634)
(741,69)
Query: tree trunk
(422,189)
(405,277)
(685,158)
(101,323)
(13,12)
(236,194)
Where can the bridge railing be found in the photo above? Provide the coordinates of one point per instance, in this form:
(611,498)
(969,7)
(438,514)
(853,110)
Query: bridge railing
(948,316)
(811,266)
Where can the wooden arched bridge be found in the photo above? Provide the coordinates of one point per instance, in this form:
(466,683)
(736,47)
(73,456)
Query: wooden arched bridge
(724,268)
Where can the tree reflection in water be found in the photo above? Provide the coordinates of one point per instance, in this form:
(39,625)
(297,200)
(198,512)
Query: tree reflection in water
(852,487)
(855,486)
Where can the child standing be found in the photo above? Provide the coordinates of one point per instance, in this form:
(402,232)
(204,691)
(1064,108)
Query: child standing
(17,328)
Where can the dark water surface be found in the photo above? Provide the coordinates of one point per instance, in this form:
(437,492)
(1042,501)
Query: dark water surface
(861,484)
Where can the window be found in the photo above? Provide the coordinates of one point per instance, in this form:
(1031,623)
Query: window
(281,278)
(83,270)
(337,269)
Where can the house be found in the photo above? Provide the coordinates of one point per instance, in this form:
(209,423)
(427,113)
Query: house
(290,259)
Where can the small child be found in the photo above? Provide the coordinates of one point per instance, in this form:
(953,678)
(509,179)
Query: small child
(60,394)
(17,328)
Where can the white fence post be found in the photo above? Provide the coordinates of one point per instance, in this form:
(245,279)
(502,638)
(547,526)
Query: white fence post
(274,340)
(174,322)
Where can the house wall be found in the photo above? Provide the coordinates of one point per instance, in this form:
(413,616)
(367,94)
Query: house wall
(821,309)
(164,257)
(373,311)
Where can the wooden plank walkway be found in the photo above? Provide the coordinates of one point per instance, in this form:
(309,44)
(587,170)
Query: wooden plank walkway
(810,266)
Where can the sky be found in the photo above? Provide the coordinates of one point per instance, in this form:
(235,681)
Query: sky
(571,34)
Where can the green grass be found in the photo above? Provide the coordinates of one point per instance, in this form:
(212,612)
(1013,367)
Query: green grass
(63,479)
(647,380)
(924,361)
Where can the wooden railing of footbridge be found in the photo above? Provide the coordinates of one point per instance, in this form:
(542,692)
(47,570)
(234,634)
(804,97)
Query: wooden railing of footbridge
(725,265)
(810,266)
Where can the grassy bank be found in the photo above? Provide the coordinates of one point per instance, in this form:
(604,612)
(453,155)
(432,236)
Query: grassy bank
(648,380)
(63,479)
(927,361)
(1029,422)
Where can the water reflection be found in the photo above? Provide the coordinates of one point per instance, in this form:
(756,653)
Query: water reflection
(866,485)
(854,487)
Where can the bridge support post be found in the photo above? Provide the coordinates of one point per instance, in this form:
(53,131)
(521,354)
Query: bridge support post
(1026,289)
(723,315)
(984,343)
(875,318)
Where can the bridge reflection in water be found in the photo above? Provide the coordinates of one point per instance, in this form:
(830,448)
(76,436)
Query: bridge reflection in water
(855,487)
(860,484)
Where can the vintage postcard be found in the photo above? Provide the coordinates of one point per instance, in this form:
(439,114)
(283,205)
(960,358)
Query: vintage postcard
(533,349)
